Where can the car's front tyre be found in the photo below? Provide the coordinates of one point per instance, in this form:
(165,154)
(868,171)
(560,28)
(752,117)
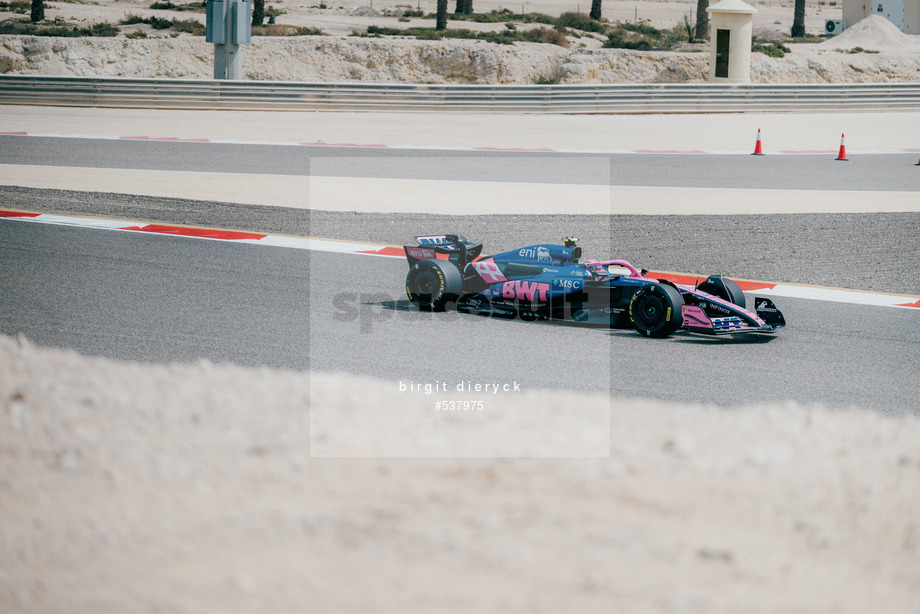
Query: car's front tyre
(655,310)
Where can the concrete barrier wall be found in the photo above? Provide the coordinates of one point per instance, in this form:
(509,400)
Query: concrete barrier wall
(602,98)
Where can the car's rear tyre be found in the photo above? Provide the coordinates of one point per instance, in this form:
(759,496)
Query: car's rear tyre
(655,310)
(432,284)
(724,288)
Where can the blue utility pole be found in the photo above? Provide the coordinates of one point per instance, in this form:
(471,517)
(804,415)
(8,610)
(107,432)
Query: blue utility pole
(229,25)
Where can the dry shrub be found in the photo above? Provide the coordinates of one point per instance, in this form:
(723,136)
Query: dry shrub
(546,35)
(284,30)
(555,75)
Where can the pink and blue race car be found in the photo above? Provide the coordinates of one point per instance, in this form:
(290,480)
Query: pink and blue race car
(551,282)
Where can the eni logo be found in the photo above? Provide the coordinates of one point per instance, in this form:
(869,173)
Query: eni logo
(541,253)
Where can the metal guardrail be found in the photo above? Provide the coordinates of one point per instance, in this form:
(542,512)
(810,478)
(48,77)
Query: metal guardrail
(596,98)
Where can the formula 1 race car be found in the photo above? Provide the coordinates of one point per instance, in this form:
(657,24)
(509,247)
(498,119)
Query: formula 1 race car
(547,282)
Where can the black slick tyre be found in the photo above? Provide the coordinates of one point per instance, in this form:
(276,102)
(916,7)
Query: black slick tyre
(432,284)
(724,288)
(655,310)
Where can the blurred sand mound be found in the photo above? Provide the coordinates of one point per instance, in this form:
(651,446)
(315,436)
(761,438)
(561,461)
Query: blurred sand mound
(875,33)
(193,488)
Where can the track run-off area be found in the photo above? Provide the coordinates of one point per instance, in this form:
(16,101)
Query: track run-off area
(156,296)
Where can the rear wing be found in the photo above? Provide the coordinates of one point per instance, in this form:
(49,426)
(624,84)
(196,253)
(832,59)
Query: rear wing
(456,248)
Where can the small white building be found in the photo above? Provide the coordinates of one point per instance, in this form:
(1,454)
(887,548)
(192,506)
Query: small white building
(905,14)
(731,28)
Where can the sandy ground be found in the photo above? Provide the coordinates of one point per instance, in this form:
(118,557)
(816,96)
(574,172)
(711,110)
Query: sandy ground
(339,17)
(872,50)
(211,488)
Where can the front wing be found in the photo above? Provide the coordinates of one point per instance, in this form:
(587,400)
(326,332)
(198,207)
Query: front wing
(765,319)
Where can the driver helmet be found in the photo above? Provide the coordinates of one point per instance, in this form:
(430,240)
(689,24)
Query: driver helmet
(598,272)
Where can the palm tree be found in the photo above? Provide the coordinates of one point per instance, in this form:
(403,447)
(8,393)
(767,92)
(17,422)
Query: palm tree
(38,10)
(464,7)
(702,20)
(596,9)
(798,21)
(441,23)
(258,12)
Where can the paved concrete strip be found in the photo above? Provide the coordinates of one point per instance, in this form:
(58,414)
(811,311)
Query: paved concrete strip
(834,295)
(454,197)
(699,132)
(481,198)
(439,148)
(278,190)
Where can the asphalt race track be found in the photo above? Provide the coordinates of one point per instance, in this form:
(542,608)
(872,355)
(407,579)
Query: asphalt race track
(170,299)
(878,172)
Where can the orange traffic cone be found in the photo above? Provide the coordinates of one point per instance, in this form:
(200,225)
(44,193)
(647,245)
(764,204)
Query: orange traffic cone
(758,150)
(843,150)
(918,163)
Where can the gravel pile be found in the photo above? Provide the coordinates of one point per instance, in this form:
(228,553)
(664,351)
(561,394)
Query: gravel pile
(875,33)
(212,488)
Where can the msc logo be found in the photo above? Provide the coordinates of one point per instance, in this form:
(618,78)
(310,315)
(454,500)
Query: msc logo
(571,284)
